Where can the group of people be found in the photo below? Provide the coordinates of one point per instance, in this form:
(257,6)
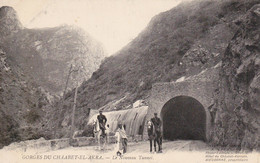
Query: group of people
(120,133)
(122,136)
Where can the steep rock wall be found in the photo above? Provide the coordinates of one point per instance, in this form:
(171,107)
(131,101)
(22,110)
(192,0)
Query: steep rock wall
(46,54)
(237,122)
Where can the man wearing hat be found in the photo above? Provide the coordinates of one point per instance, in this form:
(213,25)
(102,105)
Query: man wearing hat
(158,134)
(102,120)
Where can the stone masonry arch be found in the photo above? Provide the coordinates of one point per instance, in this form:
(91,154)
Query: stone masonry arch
(200,87)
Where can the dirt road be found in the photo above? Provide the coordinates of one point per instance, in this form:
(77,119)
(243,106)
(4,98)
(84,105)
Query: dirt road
(173,151)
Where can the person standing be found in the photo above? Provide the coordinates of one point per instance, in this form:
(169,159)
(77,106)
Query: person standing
(107,133)
(102,120)
(122,137)
(158,133)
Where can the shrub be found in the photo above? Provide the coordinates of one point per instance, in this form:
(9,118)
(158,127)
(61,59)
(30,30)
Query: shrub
(32,116)
(88,132)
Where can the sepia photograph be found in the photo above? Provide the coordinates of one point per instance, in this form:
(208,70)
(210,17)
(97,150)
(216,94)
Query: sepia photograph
(130,81)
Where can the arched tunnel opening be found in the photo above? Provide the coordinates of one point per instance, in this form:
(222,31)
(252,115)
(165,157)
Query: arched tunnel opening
(184,118)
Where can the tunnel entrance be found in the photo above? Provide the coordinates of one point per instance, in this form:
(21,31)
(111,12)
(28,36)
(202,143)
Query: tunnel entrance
(184,118)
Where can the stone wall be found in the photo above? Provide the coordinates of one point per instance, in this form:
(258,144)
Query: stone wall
(202,87)
(39,145)
(42,145)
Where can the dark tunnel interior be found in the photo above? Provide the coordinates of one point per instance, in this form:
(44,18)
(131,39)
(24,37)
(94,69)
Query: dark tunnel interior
(184,118)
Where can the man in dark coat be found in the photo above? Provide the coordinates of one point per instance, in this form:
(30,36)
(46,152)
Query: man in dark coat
(102,120)
(158,133)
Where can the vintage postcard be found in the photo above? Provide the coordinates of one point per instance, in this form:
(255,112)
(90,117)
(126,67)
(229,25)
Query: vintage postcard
(129,81)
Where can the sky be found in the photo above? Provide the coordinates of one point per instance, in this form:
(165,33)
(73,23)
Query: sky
(114,23)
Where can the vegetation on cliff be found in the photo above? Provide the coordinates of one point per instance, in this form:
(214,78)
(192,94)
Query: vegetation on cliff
(22,104)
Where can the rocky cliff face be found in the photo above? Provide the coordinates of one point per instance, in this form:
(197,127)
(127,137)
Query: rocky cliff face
(237,120)
(34,66)
(9,22)
(22,104)
(180,42)
(47,54)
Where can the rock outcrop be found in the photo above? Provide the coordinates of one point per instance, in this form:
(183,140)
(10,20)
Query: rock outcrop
(180,42)
(9,21)
(47,54)
(22,104)
(34,67)
(237,122)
